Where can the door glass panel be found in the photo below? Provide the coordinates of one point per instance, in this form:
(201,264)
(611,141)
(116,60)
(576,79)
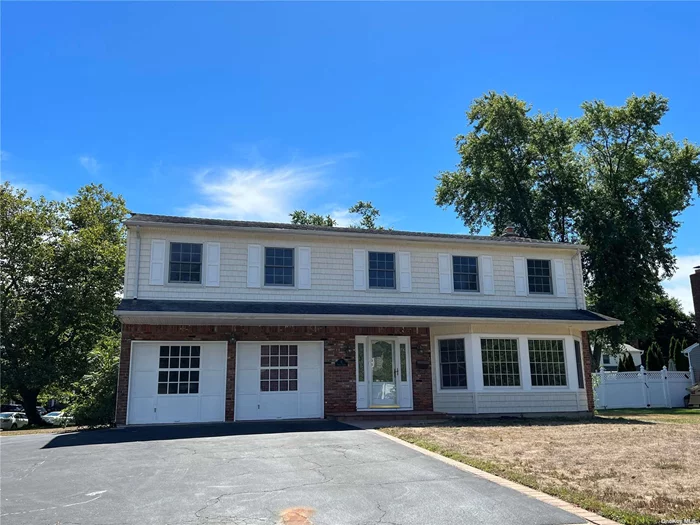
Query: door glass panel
(404,371)
(383,378)
(361,362)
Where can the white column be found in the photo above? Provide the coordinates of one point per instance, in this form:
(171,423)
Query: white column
(524,353)
(570,361)
(476,377)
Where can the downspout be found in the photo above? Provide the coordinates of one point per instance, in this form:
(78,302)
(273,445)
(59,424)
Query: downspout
(138,260)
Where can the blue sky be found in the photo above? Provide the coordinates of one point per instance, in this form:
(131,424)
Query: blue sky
(251,110)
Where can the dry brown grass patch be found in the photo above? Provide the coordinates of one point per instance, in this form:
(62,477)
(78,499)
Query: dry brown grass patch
(646,464)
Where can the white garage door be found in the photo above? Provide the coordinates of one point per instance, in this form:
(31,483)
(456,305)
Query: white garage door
(279,380)
(177,382)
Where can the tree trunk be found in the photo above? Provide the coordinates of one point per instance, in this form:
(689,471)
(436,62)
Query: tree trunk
(29,402)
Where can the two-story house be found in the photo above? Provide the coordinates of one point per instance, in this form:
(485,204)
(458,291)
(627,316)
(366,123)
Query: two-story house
(232,320)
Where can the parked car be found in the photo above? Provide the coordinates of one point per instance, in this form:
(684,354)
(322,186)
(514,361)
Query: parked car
(11,408)
(13,420)
(58,418)
(41,411)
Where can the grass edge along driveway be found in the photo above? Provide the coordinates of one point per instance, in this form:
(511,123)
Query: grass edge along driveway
(648,437)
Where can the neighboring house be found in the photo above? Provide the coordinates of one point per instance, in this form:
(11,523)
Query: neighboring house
(610,361)
(693,353)
(232,320)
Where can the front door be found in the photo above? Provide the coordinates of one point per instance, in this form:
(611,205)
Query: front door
(384,393)
(384,373)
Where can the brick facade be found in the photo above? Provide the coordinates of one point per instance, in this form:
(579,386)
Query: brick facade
(340,392)
(587,358)
(695,290)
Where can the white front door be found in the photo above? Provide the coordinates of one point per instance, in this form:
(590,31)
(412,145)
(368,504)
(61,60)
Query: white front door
(383,373)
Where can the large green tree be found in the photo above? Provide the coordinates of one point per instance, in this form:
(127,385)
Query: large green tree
(607,179)
(61,270)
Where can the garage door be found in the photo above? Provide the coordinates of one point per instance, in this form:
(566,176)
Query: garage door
(279,380)
(177,382)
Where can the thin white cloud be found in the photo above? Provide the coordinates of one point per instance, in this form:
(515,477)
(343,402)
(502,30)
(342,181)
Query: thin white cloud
(261,193)
(90,164)
(37,190)
(678,286)
(4,155)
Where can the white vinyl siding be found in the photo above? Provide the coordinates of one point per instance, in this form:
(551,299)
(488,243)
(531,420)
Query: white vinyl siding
(339,272)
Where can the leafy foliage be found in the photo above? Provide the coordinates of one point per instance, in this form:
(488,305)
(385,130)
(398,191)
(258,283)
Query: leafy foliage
(62,267)
(314,219)
(95,394)
(625,363)
(675,353)
(367,212)
(607,179)
(654,358)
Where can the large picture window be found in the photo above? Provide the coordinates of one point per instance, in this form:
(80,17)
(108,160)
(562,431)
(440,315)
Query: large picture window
(499,358)
(278,368)
(279,266)
(465,274)
(539,276)
(382,270)
(178,369)
(185,262)
(453,366)
(547,366)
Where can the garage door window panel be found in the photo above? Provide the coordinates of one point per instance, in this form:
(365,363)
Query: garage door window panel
(179,370)
(278,368)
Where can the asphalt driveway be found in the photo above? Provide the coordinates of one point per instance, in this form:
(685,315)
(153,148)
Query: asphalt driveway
(244,474)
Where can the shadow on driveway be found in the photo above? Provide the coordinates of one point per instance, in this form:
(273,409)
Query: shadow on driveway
(190,431)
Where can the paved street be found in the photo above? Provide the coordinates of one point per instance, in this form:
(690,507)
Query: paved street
(244,474)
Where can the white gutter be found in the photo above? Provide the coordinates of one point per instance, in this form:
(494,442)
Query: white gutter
(358,235)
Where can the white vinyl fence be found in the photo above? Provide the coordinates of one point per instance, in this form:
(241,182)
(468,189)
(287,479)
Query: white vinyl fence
(640,389)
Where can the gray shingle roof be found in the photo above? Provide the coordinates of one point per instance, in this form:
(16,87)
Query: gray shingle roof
(173,220)
(380,310)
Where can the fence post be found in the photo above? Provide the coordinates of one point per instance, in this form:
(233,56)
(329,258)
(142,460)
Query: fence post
(667,393)
(601,387)
(645,387)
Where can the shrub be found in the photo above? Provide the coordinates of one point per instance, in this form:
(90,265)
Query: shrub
(95,394)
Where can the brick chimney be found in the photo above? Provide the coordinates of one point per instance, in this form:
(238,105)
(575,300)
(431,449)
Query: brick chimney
(509,231)
(695,290)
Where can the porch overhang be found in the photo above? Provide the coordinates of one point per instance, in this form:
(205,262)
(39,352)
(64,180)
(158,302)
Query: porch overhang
(169,312)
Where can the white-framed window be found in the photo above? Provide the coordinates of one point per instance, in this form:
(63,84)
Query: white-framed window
(279,368)
(185,264)
(453,364)
(500,363)
(178,369)
(279,266)
(547,362)
(382,270)
(539,276)
(606,359)
(465,273)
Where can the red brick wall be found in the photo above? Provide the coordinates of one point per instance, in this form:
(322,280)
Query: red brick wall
(588,379)
(340,387)
(695,290)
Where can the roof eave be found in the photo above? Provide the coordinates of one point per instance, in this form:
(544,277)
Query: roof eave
(359,234)
(334,319)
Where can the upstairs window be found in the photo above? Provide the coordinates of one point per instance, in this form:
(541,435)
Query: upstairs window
(279,266)
(465,274)
(185,263)
(382,270)
(539,276)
